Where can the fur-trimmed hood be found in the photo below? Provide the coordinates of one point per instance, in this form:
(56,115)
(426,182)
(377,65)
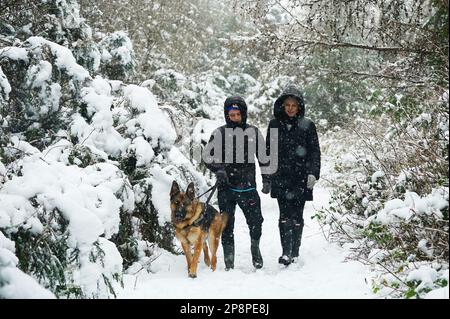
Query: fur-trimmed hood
(290,91)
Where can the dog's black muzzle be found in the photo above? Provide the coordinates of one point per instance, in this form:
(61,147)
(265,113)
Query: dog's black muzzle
(180,214)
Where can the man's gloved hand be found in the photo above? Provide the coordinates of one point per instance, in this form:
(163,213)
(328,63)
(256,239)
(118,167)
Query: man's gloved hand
(266,187)
(311,181)
(222,176)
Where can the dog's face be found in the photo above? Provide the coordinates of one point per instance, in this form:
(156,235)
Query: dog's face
(181,204)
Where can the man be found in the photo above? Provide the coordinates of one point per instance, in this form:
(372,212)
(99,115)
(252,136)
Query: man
(234,146)
(298,169)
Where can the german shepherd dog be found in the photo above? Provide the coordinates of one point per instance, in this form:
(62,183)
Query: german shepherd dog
(195,222)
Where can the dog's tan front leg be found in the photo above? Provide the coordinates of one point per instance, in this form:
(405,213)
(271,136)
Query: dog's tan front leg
(187,253)
(197,251)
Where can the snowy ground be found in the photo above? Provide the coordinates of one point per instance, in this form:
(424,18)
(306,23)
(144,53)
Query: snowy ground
(321,273)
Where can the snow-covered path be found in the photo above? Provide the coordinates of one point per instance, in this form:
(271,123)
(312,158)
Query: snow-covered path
(322,272)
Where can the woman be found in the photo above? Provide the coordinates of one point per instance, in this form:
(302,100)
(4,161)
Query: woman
(298,168)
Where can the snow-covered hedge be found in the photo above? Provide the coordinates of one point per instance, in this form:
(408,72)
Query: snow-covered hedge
(86,165)
(391,199)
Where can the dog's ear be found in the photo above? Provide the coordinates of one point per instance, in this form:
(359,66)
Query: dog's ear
(190,191)
(174,190)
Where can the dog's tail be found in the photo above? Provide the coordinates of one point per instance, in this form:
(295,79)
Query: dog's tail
(224,221)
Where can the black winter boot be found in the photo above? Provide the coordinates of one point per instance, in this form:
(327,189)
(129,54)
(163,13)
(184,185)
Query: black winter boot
(228,255)
(286,241)
(296,238)
(256,254)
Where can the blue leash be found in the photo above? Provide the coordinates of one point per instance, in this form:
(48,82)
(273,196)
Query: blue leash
(242,190)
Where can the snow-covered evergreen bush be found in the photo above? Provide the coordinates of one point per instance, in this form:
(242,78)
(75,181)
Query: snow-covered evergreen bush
(392,208)
(82,158)
(117,56)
